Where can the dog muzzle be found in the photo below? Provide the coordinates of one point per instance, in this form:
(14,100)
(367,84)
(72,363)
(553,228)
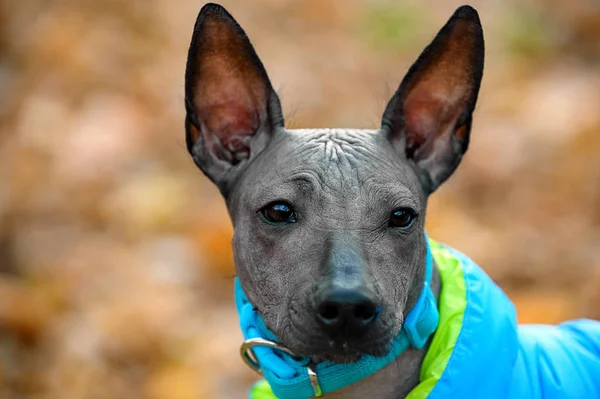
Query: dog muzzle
(296,377)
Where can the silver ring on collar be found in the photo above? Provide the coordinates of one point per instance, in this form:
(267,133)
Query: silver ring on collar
(251,360)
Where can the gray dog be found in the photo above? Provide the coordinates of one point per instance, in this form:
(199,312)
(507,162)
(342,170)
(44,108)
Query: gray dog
(329,244)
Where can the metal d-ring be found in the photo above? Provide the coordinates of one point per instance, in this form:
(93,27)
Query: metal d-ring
(248,354)
(251,360)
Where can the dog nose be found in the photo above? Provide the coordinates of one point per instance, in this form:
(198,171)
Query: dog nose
(350,311)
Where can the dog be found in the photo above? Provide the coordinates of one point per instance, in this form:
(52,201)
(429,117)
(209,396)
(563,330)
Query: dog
(341,294)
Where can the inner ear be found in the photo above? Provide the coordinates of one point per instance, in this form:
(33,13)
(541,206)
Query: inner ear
(429,117)
(229,99)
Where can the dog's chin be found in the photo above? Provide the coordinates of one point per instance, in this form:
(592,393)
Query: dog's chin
(337,358)
(349,352)
(312,342)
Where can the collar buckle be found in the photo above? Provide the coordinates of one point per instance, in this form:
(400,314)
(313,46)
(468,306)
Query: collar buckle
(252,361)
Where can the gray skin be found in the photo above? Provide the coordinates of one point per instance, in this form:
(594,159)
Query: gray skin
(342,185)
(322,172)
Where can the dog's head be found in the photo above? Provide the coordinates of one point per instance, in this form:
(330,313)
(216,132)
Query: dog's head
(329,223)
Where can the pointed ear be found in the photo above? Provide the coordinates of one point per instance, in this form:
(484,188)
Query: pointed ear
(429,117)
(232,109)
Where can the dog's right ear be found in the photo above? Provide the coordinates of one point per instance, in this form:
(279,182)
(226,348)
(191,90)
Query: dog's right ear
(232,109)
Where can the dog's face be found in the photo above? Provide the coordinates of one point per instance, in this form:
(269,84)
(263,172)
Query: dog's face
(329,223)
(314,215)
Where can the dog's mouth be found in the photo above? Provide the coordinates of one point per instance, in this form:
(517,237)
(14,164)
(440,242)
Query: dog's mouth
(306,339)
(343,351)
(346,354)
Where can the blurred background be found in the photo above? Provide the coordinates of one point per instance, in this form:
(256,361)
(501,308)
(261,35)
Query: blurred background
(115,260)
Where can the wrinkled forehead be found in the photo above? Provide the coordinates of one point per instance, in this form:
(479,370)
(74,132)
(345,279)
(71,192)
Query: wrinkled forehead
(342,162)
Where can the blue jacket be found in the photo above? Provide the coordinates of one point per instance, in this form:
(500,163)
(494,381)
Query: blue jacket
(493,357)
(480,352)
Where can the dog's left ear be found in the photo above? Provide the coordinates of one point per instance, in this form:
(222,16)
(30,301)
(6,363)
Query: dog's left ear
(429,117)
(232,109)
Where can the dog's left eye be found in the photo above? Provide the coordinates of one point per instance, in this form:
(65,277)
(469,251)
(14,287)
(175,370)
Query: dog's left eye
(278,213)
(403,218)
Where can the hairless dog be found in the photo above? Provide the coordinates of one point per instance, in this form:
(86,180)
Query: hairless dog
(330,248)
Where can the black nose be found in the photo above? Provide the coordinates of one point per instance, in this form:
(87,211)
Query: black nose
(350,312)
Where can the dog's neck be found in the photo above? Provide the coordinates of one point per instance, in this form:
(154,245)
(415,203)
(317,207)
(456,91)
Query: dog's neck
(399,377)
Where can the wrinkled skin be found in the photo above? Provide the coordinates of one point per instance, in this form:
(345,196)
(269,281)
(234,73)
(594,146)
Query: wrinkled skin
(341,185)
(322,173)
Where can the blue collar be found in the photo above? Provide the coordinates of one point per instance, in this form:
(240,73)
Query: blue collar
(291,377)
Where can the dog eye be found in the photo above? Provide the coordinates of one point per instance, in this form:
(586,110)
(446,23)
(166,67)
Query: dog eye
(278,213)
(403,218)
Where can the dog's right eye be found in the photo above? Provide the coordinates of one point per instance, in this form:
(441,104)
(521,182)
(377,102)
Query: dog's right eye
(403,218)
(278,213)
